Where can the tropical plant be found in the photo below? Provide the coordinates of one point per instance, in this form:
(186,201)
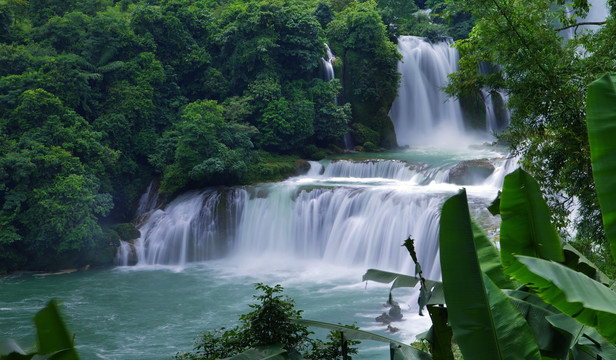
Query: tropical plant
(537,298)
(276,330)
(273,330)
(54,340)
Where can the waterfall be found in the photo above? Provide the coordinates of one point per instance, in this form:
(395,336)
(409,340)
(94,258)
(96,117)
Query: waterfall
(497,114)
(328,74)
(354,213)
(350,212)
(422,114)
(328,67)
(386,169)
(149,199)
(598,12)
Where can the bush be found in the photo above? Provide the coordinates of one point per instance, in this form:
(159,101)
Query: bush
(270,323)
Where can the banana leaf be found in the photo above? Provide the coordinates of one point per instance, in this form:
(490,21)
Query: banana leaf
(526,228)
(441,334)
(407,351)
(575,294)
(577,261)
(489,259)
(584,337)
(405,281)
(601,124)
(53,336)
(385,277)
(269,352)
(10,350)
(551,342)
(485,323)
(349,333)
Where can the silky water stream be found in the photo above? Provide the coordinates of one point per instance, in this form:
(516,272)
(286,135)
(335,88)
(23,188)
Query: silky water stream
(198,258)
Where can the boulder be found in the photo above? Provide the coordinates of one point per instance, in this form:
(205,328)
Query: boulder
(470,172)
(394,314)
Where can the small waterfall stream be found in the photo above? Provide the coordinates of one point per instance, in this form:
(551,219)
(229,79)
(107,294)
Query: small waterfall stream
(328,65)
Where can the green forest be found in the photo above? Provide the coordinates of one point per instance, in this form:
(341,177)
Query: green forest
(97,98)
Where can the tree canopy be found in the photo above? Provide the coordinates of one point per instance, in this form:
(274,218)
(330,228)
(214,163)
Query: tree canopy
(99,97)
(546,73)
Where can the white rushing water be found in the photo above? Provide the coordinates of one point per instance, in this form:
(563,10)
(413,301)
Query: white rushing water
(194,266)
(343,212)
(597,13)
(328,64)
(422,113)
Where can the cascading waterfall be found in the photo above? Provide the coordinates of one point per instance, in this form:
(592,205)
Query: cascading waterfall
(422,114)
(497,117)
(344,211)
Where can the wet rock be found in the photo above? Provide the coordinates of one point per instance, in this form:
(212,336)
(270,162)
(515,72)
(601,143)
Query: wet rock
(392,329)
(471,172)
(127,231)
(394,314)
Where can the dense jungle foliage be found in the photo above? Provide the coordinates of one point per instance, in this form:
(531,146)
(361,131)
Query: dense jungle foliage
(545,62)
(97,98)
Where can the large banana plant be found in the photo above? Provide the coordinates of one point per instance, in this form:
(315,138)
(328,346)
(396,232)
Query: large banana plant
(564,300)
(601,123)
(54,340)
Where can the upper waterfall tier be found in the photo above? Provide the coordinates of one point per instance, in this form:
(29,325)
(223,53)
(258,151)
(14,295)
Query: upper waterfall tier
(422,114)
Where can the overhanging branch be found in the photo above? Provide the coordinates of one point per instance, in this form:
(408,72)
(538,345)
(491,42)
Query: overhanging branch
(576,25)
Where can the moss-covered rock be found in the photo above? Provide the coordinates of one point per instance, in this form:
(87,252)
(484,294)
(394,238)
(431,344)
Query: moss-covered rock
(126,231)
(363,134)
(473,110)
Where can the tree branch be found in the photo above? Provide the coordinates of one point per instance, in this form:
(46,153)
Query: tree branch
(598,23)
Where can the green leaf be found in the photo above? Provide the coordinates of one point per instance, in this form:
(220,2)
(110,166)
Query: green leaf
(550,341)
(53,336)
(409,244)
(441,334)
(407,353)
(385,277)
(526,228)
(584,336)
(269,352)
(571,292)
(577,261)
(485,323)
(494,207)
(355,334)
(601,124)
(10,350)
(489,259)
(402,280)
